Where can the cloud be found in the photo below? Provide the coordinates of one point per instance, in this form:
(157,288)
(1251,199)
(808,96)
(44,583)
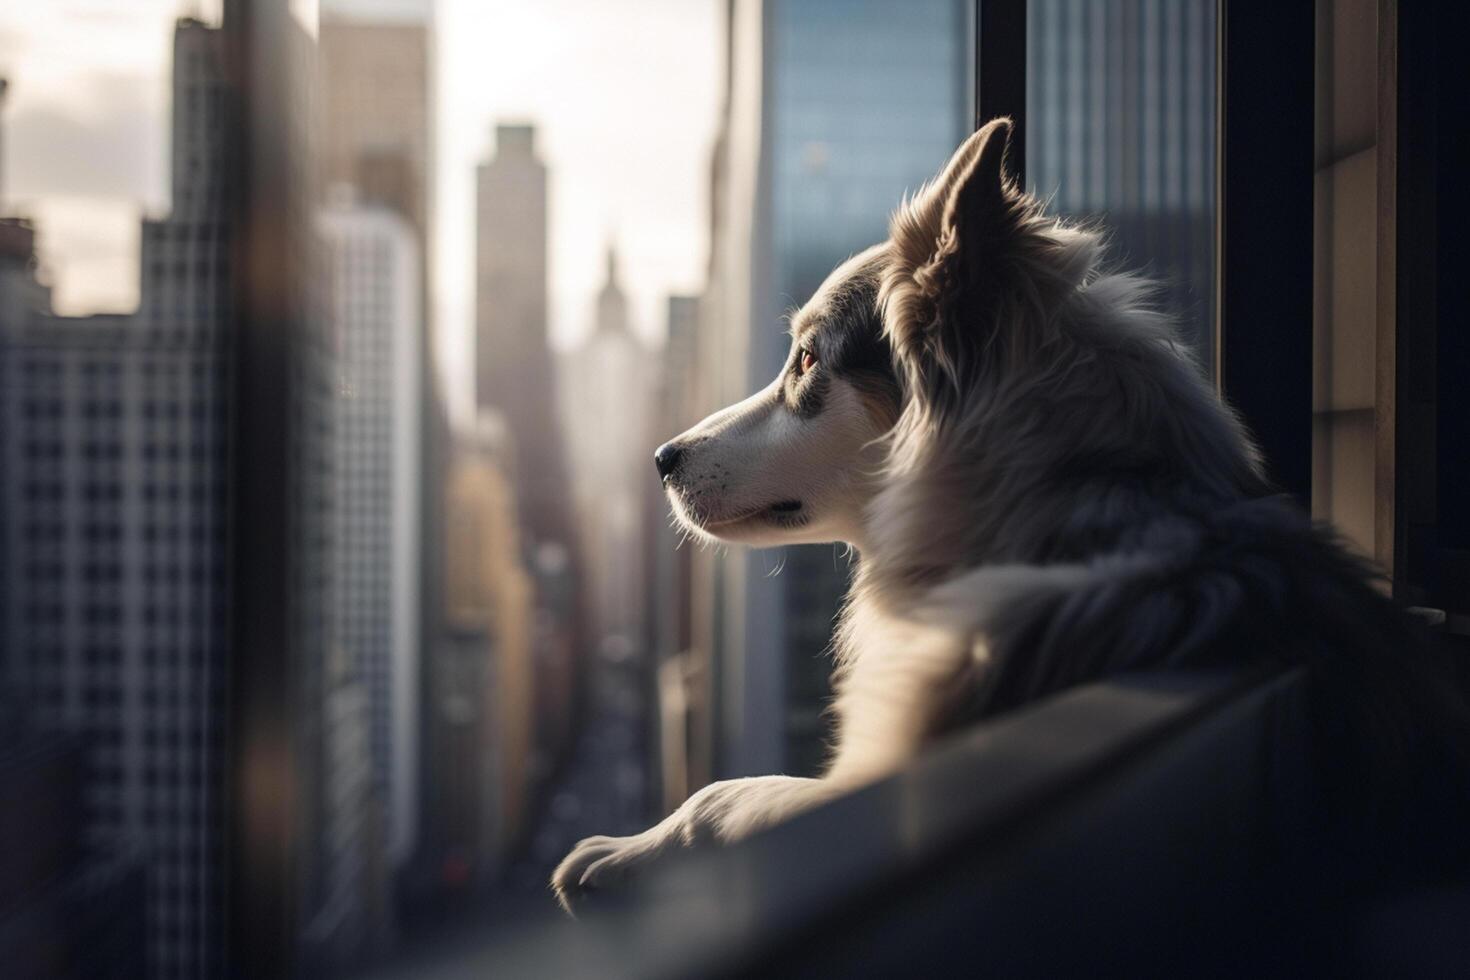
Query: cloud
(107,139)
(86,139)
(89,250)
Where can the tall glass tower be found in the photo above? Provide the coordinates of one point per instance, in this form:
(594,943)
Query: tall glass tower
(1120,128)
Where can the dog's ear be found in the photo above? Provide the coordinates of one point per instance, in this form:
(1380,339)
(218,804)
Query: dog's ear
(952,250)
(966,199)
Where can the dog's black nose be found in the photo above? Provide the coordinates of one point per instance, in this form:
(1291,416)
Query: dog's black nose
(667,459)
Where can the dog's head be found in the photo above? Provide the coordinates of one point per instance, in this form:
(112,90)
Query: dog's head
(800,461)
(795,462)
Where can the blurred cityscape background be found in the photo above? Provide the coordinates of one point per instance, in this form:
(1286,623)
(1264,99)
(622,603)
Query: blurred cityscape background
(490,308)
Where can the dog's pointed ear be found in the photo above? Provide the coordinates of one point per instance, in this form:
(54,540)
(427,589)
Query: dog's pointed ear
(982,190)
(950,248)
(971,192)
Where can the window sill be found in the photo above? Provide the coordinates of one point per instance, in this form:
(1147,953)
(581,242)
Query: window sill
(1099,827)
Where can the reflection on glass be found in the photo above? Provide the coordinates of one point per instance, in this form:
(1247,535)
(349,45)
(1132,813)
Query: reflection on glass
(1120,115)
(295,536)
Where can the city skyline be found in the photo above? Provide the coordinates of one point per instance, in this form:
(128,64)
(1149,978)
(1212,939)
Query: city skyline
(89,81)
(114,450)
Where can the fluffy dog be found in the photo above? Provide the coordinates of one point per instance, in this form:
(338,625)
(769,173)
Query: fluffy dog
(1040,485)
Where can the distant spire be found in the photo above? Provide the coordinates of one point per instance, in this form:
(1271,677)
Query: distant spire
(612,263)
(515,139)
(612,305)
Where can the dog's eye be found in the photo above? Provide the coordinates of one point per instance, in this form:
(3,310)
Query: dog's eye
(807,362)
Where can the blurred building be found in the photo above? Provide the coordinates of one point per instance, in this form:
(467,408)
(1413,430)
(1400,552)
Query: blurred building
(22,294)
(4,91)
(610,381)
(376,79)
(1120,117)
(833,111)
(515,378)
(482,724)
(606,402)
(682,686)
(372,260)
(514,373)
(348,916)
(114,506)
(68,908)
(21,290)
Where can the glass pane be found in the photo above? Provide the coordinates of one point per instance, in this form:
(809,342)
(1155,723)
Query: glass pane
(335,573)
(1120,115)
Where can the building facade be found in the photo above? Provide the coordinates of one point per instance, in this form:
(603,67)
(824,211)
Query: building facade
(605,409)
(374,87)
(483,710)
(1120,117)
(72,909)
(116,533)
(375,76)
(683,733)
(514,372)
(515,379)
(372,265)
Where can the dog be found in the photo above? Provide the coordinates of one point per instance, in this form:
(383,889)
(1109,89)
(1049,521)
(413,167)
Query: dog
(1040,485)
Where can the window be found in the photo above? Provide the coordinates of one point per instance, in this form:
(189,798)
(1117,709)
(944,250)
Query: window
(335,573)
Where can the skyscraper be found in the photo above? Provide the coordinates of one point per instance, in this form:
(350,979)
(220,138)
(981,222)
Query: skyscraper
(515,378)
(375,77)
(684,716)
(1120,124)
(482,716)
(815,152)
(513,365)
(372,262)
(606,401)
(115,511)
(71,908)
(375,73)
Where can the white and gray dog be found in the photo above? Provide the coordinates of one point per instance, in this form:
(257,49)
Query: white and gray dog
(1041,488)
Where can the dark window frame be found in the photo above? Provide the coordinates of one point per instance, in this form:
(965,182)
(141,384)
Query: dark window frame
(1264,239)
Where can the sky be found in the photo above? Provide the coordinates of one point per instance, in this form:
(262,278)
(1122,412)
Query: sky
(624,94)
(86,135)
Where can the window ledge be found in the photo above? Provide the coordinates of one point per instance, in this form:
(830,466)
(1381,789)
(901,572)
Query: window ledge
(1045,839)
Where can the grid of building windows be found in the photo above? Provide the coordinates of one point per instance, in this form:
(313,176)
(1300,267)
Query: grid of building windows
(114,496)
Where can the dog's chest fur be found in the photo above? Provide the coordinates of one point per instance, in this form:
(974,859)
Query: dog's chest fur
(899,673)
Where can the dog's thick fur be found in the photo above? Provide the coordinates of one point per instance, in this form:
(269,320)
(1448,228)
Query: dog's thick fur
(1042,490)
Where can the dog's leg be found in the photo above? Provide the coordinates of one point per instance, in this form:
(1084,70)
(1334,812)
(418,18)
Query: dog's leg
(888,699)
(722,812)
(892,690)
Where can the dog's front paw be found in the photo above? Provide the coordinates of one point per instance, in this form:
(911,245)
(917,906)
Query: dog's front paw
(599,863)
